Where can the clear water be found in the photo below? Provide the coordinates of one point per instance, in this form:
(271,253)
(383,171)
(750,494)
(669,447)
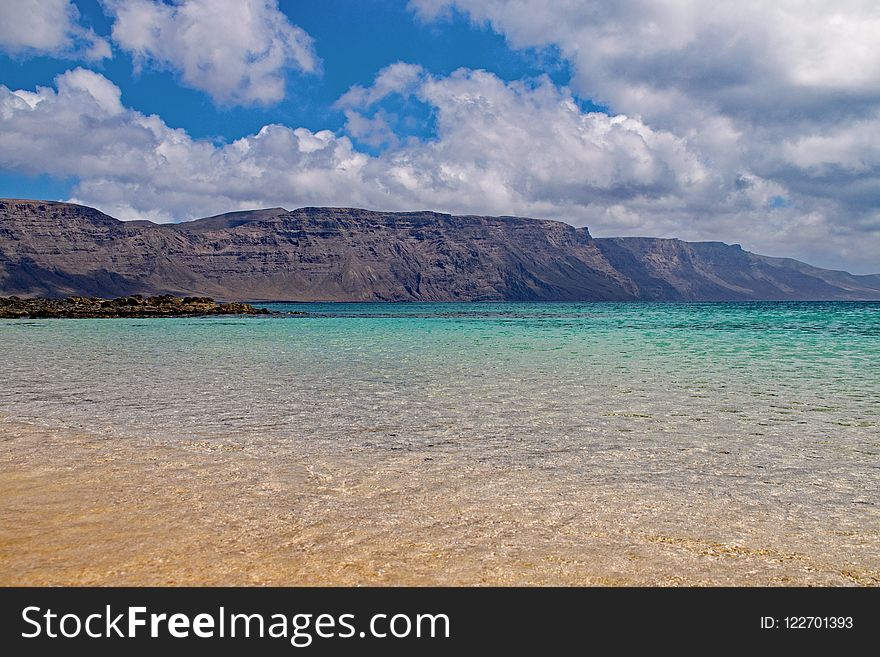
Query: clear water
(768,404)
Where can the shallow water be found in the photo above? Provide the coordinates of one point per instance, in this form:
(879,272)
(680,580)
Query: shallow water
(769,407)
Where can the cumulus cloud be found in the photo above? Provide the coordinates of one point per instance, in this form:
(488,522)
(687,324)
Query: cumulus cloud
(787,68)
(523,147)
(238,51)
(398,78)
(48,27)
(852,147)
(136,165)
(755,123)
(375,131)
(787,93)
(749,57)
(501,147)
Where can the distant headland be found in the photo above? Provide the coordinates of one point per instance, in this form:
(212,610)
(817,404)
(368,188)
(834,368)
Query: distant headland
(52,249)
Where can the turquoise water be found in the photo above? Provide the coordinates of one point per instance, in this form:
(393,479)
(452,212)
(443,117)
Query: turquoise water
(755,401)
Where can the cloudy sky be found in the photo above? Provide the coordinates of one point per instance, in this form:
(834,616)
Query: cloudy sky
(750,122)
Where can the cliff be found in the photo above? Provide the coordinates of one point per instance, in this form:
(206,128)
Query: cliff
(60,249)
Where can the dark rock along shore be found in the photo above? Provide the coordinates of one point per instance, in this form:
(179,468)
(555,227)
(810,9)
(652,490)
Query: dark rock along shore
(131,306)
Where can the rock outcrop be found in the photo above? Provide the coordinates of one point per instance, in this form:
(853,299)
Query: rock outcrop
(133,306)
(342,254)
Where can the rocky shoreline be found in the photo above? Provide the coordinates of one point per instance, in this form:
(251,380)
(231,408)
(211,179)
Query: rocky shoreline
(131,306)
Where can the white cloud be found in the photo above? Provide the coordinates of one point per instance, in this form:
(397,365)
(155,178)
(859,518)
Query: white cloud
(47,27)
(731,78)
(785,92)
(238,51)
(737,57)
(521,146)
(853,147)
(374,131)
(500,148)
(104,94)
(133,163)
(751,122)
(398,78)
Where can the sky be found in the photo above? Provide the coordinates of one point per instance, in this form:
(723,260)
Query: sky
(751,122)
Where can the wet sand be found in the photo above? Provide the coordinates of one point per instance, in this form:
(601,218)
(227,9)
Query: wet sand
(81,509)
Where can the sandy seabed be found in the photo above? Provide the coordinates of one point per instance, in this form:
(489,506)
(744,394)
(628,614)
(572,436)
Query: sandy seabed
(81,509)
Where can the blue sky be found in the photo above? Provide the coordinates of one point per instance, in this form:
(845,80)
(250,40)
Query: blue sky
(351,38)
(753,125)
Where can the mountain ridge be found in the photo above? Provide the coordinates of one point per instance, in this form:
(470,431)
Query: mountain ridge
(55,249)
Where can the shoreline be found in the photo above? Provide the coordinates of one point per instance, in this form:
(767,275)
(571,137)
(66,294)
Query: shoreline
(87,509)
(135,306)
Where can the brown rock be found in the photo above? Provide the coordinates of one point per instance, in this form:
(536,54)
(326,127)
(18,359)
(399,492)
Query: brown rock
(133,306)
(60,249)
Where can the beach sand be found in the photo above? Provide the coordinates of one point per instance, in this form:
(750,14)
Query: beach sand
(81,509)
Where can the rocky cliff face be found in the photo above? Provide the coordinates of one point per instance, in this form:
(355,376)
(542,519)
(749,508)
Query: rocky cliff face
(664,269)
(60,249)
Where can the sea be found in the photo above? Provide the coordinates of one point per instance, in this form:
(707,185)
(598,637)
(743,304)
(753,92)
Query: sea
(746,425)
